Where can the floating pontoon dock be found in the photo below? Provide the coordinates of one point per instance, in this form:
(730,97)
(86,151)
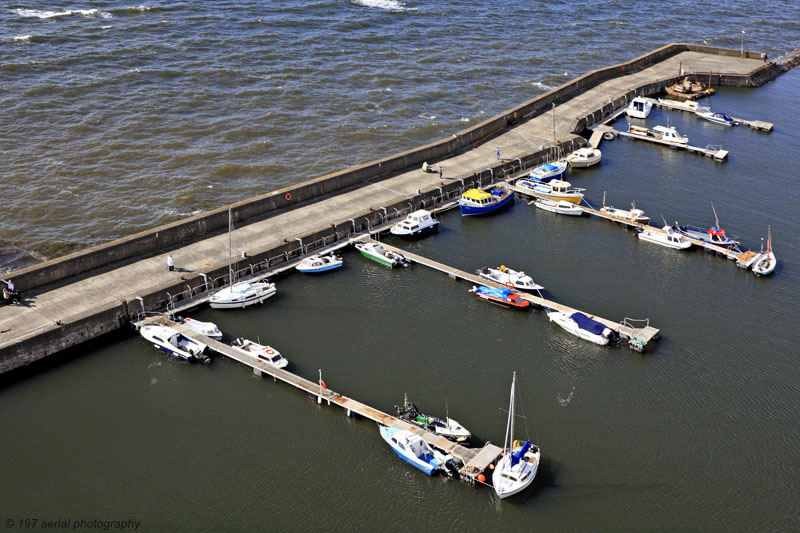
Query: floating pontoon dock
(623,329)
(672,105)
(717,153)
(473,460)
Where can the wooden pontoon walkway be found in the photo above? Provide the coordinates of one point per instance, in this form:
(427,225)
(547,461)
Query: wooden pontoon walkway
(717,153)
(474,460)
(645,334)
(672,105)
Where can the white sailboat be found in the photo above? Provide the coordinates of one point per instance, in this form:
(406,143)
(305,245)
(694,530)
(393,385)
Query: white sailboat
(765,263)
(241,293)
(518,466)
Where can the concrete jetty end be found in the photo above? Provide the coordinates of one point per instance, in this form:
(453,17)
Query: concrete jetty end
(78,297)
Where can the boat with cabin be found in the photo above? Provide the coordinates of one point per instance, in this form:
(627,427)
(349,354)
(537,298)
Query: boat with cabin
(479,202)
(501,297)
(634,215)
(174,343)
(447,428)
(558,206)
(689,89)
(265,353)
(519,463)
(416,452)
(667,237)
(582,326)
(319,263)
(660,133)
(512,279)
(639,107)
(584,157)
(376,252)
(416,224)
(714,235)
(765,262)
(548,171)
(209,329)
(716,118)
(554,190)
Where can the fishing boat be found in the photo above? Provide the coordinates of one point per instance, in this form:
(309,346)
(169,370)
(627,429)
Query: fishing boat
(319,263)
(716,118)
(512,279)
(689,89)
(376,252)
(209,329)
(416,452)
(517,468)
(417,224)
(447,428)
(634,215)
(175,343)
(584,157)
(582,326)
(639,107)
(265,353)
(558,206)
(661,133)
(241,293)
(549,171)
(554,190)
(478,202)
(501,297)
(765,263)
(713,235)
(668,237)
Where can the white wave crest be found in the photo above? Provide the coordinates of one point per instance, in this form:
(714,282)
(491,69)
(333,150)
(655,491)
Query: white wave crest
(22,38)
(541,85)
(36,13)
(393,5)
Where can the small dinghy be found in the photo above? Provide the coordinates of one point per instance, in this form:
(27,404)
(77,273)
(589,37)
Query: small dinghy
(549,171)
(417,224)
(584,157)
(558,206)
(319,263)
(268,354)
(582,326)
(765,262)
(510,278)
(447,428)
(209,329)
(478,202)
(376,252)
(175,343)
(501,297)
(416,452)
(668,237)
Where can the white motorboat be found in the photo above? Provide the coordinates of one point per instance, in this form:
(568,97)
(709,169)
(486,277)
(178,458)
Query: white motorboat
(639,107)
(265,353)
(670,134)
(512,279)
(517,468)
(581,326)
(668,237)
(584,157)
(242,293)
(415,451)
(687,105)
(634,215)
(319,263)
(175,343)
(554,190)
(417,224)
(717,118)
(765,262)
(376,252)
(549,171)
(209,329)
(447,427)
(558,206)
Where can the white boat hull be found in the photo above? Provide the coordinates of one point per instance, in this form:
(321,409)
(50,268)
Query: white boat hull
(524,472)
(765,264)
(584,157)
(561,207)
(242,294)
(668,240)
(566,323)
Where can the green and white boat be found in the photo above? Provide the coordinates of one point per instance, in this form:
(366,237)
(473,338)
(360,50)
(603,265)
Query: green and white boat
(376,252)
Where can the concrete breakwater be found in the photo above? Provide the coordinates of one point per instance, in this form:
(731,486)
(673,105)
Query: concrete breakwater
(301,218)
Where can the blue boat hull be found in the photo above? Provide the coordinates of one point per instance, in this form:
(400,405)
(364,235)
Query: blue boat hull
(171,352)
(322,269)
(421,233)
(428,469)
(473,210)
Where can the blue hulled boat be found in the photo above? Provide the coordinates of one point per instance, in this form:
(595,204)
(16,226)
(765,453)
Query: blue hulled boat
(549,171)
(501,297)
(478,202)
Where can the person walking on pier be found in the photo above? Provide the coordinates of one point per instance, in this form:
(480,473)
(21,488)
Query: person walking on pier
(440,171)
(497,152)
(170,263)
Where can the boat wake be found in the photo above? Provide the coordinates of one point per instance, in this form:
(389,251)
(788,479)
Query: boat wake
(392,5)
(565,401)
(37,13)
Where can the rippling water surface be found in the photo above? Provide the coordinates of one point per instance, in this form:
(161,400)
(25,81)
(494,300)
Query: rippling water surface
(118,117)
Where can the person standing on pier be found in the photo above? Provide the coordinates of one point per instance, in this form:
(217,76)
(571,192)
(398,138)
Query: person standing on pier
(497,152)
(440,171)
(170,263)
(10,295)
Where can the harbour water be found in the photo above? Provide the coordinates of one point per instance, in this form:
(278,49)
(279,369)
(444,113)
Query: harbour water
(699,433)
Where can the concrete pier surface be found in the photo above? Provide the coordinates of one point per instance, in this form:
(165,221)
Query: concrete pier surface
(66,303)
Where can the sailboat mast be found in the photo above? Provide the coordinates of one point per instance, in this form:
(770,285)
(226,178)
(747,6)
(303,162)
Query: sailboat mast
(510,423)
(230,246)
(716,220)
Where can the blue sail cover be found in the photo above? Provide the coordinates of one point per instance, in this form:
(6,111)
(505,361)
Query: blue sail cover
(503,294)
(587,324)
(521,453)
